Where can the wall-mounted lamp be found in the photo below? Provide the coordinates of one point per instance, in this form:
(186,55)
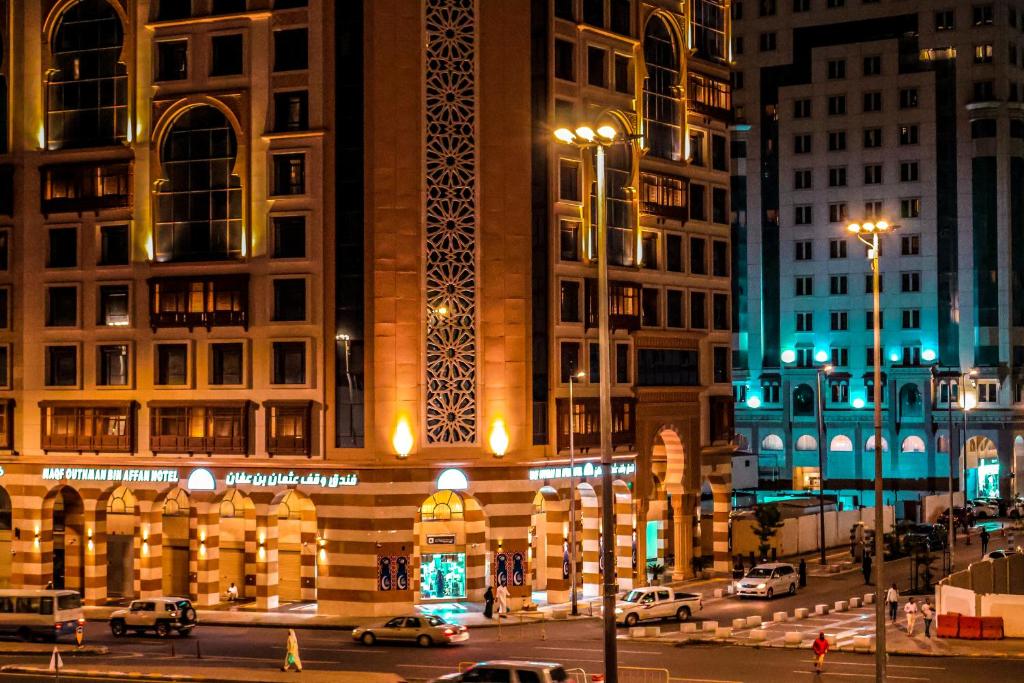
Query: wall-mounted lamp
(90,546)
(499,438)
(36,540)
(402,439)
(202,543)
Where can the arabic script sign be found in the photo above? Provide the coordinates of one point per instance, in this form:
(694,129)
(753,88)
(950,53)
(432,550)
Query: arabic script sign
(109,474)
(317,479)
(583,471)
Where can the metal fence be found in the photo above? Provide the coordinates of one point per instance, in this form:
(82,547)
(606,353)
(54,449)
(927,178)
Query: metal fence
(635,674)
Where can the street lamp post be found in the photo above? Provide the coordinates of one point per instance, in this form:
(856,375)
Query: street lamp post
(585,138)
(950,535)
(572,497)
(966,406)
(868,234)
(823,370)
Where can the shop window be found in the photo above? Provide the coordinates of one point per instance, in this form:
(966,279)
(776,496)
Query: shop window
(114,306)
(289,174)
(290,299)
(96,428)
(291,111)
(87,87)
(226,55)
(443,576)
(289,430)
(171,364)
(62,248)
(112,365)
(289,362)
(443,506)
(291,51)
(114,245)
(227,364)
(172,60)
(199,201)
(61,306)
(61,366)
(289,235)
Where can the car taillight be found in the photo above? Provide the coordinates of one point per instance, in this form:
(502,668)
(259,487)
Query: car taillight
(81,621)
(57,626)
(449,632)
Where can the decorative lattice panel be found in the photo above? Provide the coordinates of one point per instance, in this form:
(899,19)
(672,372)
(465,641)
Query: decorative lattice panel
(450,71)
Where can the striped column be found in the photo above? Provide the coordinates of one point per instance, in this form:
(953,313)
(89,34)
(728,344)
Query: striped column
(31,566)
(266,558)
(591,543)
(623,537)
(204,551)
(95,552)
(556,540)
(720,520)
(251,545)
(150,559)
(682,514)
(307,538)
(476,550)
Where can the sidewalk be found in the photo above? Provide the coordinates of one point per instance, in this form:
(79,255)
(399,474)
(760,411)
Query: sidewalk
(209,674)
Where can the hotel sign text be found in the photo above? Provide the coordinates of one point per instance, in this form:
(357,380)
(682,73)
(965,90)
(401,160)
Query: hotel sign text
(262,479)
(109,474)
(580,471)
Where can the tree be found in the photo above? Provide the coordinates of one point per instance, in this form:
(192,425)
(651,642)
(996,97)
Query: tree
(768,522)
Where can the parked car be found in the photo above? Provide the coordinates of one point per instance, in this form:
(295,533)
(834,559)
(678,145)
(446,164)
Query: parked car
(765,580)
(160,615)
(960,514)
(513,671)
(999,554)
(423,629)
(642,604)
(936,536)
(985,507)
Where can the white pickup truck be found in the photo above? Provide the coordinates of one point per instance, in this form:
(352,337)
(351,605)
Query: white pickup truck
(643,604)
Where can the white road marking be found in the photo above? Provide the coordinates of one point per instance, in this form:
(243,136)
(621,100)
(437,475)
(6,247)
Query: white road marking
(837,673)
(890,666)
(428,666)
(703,680)
(583,649)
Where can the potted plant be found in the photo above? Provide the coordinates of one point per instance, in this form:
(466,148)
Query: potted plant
(655,569)
(768,522)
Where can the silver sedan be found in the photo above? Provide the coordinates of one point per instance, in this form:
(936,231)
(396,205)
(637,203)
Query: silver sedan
(425,630)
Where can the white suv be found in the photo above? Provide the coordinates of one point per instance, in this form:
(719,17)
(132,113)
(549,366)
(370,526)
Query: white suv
(767,580)
(511,671)
(161,615)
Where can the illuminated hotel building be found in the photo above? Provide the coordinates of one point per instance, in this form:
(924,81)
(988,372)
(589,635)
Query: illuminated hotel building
(909,113)
(292,290)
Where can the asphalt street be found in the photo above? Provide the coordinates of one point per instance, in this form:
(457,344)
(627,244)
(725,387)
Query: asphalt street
(573,644)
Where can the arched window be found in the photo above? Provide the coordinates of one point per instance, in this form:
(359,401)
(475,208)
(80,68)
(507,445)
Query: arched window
(772,442)
(199,203)
(442,506)
(807,443)
(232,505)
(942,444)
(912,444)
(841,444)
(910,400)
(661,103)
(176,503)
(121,501)
(87,88)
(742,442)
(803,400)
(869,447)
(621,222)
(291,506)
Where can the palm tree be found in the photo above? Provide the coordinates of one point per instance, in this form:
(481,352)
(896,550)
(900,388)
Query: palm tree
(768,522)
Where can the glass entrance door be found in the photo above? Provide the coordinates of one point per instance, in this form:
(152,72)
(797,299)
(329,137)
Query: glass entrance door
(443,576)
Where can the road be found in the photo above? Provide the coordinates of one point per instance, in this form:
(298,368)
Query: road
(574,644)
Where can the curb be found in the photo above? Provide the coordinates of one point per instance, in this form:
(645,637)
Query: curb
(901,652)
(114,675)
(86,651)
(254,624)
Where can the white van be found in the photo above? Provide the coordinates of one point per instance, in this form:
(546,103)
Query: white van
(46,614)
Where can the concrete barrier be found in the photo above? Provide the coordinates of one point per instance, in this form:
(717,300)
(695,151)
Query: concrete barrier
(723,632)
(855,603)
(793,637)
(730,589)
(869,598)
(780,617)
(863,642)
(821,609)
(688,627)
(560,614)
(800,613)
(637,631)
(719,592)
(832,639)
(842,605)
(709,626)
(739,623)
(754,620)
(759,635)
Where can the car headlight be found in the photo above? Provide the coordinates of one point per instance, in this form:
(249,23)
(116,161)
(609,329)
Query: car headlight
(618,610)
(761,586)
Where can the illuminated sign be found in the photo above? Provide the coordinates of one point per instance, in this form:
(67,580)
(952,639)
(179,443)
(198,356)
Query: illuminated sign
(318,479)
(580,471)
(110,474)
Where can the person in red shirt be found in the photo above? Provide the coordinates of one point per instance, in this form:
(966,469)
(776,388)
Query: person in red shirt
(820,647)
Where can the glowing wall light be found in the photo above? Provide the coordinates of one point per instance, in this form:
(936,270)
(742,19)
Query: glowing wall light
(858,403)
(894,357)
(928,355)
(402,439)
(821,356)
(788,356)
(499,438)
(754,402)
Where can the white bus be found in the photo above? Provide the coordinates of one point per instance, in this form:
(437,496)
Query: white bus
(46,614)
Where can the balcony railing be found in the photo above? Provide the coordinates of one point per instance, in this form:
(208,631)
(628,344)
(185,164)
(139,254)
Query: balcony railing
(623,305)
(85,427)
(77,188)
(664,195)
(214,301)
(710,96)
(586,423)
(289,427)
(211,427)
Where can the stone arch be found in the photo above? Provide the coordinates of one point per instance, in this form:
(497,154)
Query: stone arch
(668,458)
(803,400)
(117,522)
(912,444)
(237,541)
(549,545)
(6,511)
(62,538)
(176,524)
(721,486)
(841,444)
(983,467)
(869,445)
(806,442)
(458,570)
(294,518)
(772,442)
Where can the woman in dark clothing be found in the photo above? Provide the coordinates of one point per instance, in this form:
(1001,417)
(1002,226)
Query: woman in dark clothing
(489,603)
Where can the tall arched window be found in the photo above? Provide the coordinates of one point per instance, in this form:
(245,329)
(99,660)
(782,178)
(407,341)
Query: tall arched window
(620,212)
(199,203)
(661,101)
(803,400)
(87,87)
(910,400)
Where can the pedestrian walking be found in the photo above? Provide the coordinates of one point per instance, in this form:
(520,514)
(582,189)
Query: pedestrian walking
(984,536)
(502,594)
(865,567)
(892,600)
(910,609)
(927,613)
(291,656)
(803,573)
(489,603)
(820,647)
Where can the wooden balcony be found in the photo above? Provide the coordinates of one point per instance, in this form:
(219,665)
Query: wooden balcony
(587,423)
(210,427)
(80,188)
(88,427)
(213,301)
